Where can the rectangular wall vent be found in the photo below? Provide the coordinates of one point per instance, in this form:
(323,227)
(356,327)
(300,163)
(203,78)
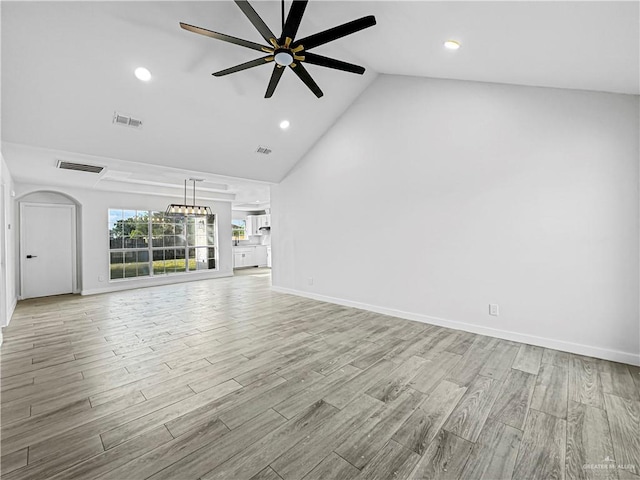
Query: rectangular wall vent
(263,150)
(79,167)
(126,120)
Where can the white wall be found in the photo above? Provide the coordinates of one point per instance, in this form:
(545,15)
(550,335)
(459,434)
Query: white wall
(430,199)
(94,236)
(8,295)
(238,215)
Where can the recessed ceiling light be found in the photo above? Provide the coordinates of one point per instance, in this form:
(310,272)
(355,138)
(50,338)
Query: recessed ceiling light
(257,201)
(451,45)
(143,74)
(284,124)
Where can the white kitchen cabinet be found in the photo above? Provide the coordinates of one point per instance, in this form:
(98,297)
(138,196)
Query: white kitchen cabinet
(244,257)
(253,225)
(250,256)
(261,255)
(250,227)
(263,221)
(256,222)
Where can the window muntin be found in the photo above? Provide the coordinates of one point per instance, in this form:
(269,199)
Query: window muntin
(239,229)
(146,243)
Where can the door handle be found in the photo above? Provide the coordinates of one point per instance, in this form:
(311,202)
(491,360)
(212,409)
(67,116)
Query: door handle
(32,256)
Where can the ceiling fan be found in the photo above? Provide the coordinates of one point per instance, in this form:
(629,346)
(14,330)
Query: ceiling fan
(286,51)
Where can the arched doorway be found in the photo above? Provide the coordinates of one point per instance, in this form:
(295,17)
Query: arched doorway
(48,244)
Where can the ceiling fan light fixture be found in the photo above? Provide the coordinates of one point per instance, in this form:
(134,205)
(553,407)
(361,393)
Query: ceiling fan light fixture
(142,74)
(283,58)
(451,45)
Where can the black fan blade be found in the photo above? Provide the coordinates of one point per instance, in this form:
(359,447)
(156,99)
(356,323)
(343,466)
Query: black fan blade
(275,78)
(332,63)
(306,78)
(293,19)
(243,66)
(336,32)
(222,36)
(255,19)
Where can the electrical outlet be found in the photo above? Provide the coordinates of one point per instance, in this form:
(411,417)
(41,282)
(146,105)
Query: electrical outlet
(101,278)
(310,281)
(494,309)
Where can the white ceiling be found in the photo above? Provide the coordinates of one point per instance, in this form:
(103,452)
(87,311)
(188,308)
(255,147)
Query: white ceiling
(67,66)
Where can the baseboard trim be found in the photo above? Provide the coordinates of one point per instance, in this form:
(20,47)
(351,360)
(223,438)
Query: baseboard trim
(10,311)
(12,308)
(597,352)
(120,286)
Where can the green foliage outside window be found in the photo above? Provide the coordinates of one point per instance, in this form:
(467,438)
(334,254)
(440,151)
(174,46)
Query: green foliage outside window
(147,243)
(239,229)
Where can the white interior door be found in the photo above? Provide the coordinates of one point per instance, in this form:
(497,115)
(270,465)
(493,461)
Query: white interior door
(47,249)
(3,261)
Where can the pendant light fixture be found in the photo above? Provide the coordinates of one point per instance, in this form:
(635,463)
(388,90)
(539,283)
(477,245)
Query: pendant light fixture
(189,210)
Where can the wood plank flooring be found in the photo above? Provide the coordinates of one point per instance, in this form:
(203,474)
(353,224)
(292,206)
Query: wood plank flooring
(225,379)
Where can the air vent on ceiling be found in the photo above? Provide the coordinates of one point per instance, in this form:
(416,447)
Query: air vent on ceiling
(79,167)
(263,150)
(126,120)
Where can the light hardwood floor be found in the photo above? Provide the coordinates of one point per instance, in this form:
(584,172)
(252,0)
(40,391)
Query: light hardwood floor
(225,379)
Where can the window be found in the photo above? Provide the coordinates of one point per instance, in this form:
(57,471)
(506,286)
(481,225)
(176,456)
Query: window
(144,243)
(239,229)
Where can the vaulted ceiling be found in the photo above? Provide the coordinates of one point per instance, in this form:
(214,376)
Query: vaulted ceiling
(68,66)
